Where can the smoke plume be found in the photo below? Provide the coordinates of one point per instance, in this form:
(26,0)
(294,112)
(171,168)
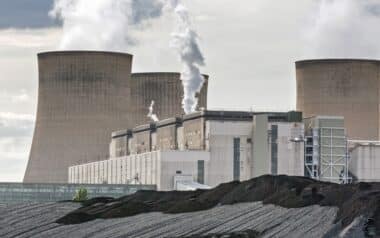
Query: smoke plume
(345,28)
(106,25)
(185,40)
(151,115)
(102,24)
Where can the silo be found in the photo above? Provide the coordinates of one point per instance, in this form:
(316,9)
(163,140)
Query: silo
(83,96)
(341,87)
(167,92)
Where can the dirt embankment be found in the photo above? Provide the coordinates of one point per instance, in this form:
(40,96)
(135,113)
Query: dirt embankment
(289,192)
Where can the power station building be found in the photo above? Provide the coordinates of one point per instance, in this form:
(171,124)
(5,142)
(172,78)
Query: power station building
(203,148)
(342,87)
(83,96)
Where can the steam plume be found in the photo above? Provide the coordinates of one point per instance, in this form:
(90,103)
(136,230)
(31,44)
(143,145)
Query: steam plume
(185,40)
(346,28)
(151,115)
(102,24)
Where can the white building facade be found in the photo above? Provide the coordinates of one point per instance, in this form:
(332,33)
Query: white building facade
(211,147)
(364,163)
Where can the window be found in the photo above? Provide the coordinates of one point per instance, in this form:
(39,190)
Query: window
(274,149)
(201,172)
(236,161)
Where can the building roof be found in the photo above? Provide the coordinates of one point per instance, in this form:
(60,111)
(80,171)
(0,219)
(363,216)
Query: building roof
(69,52)
(335,60)
(210,115)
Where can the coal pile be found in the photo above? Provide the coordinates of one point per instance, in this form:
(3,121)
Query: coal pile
(353,200)
(37,220)
(240,234)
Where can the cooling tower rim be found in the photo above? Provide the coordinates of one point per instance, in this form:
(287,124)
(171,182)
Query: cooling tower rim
(162,73)
(336,60)
(82,52)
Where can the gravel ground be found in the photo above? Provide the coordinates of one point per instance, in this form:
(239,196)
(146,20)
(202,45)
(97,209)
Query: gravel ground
(37,220)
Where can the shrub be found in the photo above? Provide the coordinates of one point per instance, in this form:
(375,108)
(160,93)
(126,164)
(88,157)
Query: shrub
(81,195)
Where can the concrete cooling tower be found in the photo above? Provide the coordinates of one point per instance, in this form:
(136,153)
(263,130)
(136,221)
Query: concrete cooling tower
(166,90)
(342,87)
(82,98)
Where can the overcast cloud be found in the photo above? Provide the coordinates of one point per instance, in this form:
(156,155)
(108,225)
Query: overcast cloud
(250,48)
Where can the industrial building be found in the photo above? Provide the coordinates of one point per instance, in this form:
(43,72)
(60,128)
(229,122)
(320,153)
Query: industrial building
(365,161)
(326,155)
(84,96)
(342,87)
(87,97)
(206,148)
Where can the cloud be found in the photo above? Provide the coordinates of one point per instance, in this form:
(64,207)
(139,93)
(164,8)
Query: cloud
(26,14)
(345,29)
(28,38)
(21,97)
(103,24)
(13,154)
(15,141)
(14,125)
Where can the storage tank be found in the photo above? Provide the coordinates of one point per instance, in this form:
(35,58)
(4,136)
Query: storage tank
(166,90)
(83,96)
(341,87)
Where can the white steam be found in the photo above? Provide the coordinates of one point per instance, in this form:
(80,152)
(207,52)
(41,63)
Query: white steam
(185,40)
(106,25)
(151,115)
(345,28)
(102,24)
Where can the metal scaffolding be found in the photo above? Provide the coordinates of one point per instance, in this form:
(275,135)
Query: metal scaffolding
(326,154)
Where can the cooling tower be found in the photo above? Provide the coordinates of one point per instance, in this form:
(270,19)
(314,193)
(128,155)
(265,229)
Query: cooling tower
(167,92)
(82,98)
(342,87)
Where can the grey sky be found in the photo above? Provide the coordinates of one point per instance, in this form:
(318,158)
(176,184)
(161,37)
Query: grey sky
(250,48)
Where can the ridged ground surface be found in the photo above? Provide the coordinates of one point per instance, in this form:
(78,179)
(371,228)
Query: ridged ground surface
(37,220)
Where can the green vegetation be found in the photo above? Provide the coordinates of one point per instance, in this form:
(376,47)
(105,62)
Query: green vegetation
(81,195)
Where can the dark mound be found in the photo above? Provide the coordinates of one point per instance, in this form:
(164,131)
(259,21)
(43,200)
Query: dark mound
(289,192)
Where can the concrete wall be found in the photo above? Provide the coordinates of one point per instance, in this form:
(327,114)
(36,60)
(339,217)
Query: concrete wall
(119,147)
(142,142)
(290,154)
(167,137)
(365,163)
(153,168)
(180,161)
(341,87)
(193,134)
(220,143)
(82,98)
(261,155)
(166,90)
